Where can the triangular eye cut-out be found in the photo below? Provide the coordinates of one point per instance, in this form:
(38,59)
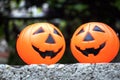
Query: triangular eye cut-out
(81,31)
(56,32)
(40,30)
(96,28)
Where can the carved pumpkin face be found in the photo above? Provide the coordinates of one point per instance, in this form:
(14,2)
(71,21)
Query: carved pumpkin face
(40,43)
(94,42)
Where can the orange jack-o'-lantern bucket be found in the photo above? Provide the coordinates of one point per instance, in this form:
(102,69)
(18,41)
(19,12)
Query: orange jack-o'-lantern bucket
(94,42)
(40,43)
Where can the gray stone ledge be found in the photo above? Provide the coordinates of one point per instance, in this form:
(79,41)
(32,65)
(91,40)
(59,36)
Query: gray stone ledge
(78,71)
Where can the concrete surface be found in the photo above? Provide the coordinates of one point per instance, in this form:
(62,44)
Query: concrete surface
(78,71)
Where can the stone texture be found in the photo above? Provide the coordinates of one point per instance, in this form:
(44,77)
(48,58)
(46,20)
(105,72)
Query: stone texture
(78,71)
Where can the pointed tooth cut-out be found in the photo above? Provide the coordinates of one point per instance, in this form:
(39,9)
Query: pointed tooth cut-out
(97,46)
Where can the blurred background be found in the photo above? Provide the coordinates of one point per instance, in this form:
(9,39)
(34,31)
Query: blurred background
(67,15)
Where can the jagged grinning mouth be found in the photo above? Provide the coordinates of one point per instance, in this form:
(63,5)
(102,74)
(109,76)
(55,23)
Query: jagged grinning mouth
(91,50)
(46,53)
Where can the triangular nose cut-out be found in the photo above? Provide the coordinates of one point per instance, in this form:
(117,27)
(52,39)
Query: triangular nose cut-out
(50,39)
(88,37)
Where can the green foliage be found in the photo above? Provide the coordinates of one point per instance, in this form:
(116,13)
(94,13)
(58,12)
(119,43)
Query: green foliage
(1,31)
(117,4)
(78,7)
